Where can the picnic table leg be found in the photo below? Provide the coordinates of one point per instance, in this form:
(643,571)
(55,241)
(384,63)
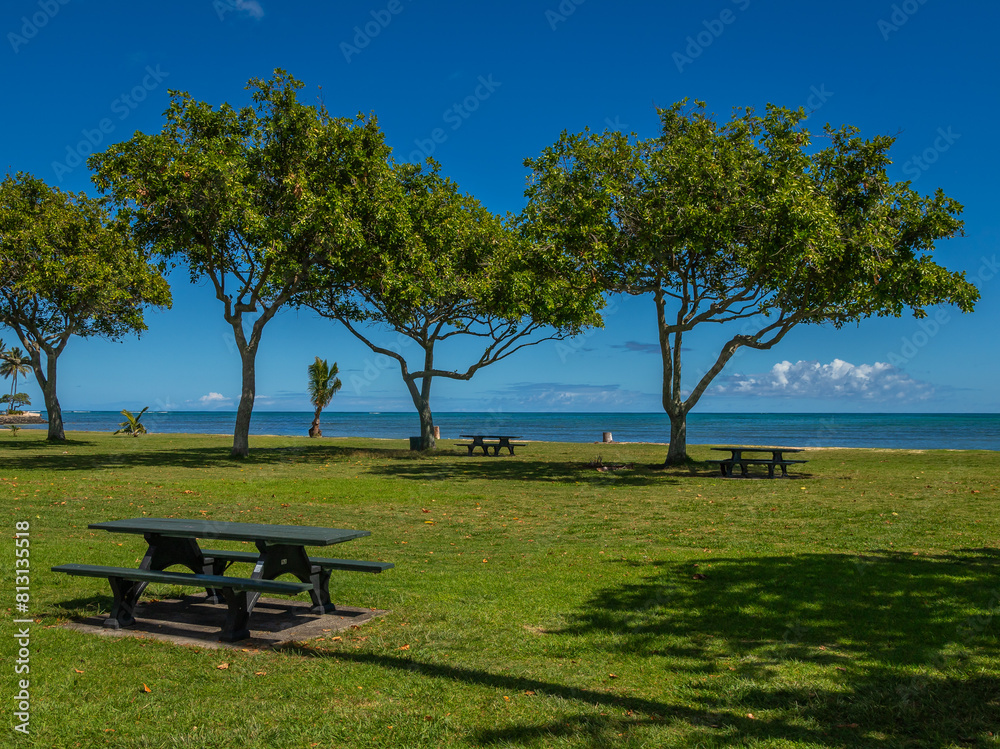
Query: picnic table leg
(126,596)
(279,559)
(237,625)
(166,551)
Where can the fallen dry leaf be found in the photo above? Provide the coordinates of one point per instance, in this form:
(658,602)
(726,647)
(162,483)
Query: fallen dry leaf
(699,576)
(222,666)
(260,673)
(405,647)
(146,689)
(78,670)
(338,638)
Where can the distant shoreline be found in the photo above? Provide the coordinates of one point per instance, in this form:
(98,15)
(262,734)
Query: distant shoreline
(887,431)
(317,440)
(21,419)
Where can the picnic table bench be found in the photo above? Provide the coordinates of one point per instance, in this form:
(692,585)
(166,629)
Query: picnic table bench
(172,541)
(737,457)
(487,441)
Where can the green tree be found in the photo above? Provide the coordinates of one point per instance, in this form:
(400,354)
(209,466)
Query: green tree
(16,401)
(254,200)
(743,222)
(323,385)
(14,363)
(132,424)
(461,272)
(68,268)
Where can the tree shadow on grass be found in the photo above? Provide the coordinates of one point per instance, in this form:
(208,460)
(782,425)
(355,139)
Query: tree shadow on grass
(882,604)
(25,445)
(501,469)
(884,649)
(880,707)
(908,639)
(136,454)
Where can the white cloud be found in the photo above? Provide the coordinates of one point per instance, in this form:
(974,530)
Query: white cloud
(838,379)
(215,400)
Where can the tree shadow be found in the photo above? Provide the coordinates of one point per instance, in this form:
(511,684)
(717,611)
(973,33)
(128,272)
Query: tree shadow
(141,455)
(18,444)
(503,469)
(879,707)
(883,604)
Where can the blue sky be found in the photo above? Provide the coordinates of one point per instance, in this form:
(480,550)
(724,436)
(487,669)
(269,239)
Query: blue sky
(502,80)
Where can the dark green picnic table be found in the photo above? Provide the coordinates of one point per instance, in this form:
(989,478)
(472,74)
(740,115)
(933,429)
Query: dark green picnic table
(281,549)
(738,458)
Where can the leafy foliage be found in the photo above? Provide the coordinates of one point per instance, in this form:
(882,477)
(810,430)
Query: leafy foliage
(14,363)
(743,221)
(68,268)
(15,401)
(255,200)
(460,271)
(132,426)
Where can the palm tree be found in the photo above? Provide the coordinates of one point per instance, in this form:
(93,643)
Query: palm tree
(15,362)
(132,425)
(323,384)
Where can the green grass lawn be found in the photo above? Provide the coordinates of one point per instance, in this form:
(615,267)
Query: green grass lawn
(535,601)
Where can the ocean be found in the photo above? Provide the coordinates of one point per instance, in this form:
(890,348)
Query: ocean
(915,431)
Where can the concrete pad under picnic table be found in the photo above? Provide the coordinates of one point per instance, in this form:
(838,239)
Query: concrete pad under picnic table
(193,621)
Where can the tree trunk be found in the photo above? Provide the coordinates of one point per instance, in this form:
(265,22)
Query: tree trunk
(241,434)
(677,452)
(427,441)
(47,382)
(421,399)
(314,430)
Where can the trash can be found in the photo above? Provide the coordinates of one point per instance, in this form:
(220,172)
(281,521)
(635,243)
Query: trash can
(414,443)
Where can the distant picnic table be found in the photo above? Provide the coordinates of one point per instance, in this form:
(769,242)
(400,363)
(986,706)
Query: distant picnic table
(738,457)
(487,441)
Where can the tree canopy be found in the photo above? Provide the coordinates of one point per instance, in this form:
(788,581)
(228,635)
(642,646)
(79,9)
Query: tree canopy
(459,272)
(67,267)
(744,220)
(255,200)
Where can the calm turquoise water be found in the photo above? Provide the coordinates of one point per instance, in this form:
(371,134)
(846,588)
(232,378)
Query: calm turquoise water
(928,431)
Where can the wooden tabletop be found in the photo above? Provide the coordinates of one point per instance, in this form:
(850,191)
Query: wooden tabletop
(492,436)
(761,449)
(296,535)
